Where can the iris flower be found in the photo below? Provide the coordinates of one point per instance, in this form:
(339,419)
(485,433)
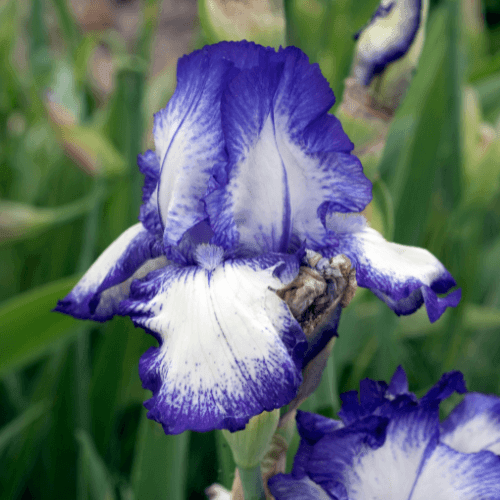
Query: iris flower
(249,171)
(387,37)
(390,445)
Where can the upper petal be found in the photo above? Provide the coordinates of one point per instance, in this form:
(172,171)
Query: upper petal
(409,465)
(96,296)
(394,453)
(311,429)
(450,475)
(403,277)
(287,487)
(289,161)
(474,425)
(149,216)
(330,460)
(189,141)
(229,346)
(389,471)
(388,36)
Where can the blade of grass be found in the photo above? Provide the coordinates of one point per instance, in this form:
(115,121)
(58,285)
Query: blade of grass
(28,328)
(82,345)
(69,28)
(431,155)
(225,461)
(115,381)
(10,431)
(160,463)
(25,452)
(96,482)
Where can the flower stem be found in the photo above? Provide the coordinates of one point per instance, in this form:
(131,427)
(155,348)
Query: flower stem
(253,485)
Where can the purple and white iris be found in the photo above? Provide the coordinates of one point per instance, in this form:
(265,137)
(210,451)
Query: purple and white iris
(390,445)
(249,170)
(387,37)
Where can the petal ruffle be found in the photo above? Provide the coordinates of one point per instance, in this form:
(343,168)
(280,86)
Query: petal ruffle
(289,161)
(189,141)
(473,425)
(378,398)
(403,277)
(388,36)
(229,346)
(97,295)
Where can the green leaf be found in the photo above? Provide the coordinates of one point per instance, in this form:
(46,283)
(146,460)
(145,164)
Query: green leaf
(160,463)
(96,479)
(125,128)
(27,448)
(19,424)
(429,158)
(150,18)
(115,380)
(489,94)
(476,317)
(69,28)
(383,208)
(226,465)
(29,328)
(324,31)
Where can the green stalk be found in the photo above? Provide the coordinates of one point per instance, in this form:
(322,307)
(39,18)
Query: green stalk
(253,485)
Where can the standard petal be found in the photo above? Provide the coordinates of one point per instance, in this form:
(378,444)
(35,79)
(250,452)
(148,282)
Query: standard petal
(473,425)
(189,141)
(330,461)
(286,487)
(403,277)
(229,346)
(410,465)
(289,161)
(390,470)
(97,295)
(243,54)
(349,465)
(450,475)
(149,216)
(311,429)
(388,36)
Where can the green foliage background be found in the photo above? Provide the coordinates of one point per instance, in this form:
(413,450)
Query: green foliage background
(72,423)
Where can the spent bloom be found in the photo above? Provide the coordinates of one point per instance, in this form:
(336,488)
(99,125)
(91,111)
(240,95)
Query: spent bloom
(249,171)
(391,445)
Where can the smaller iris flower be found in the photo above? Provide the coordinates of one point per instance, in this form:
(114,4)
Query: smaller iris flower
(387,37)
(249,170)
(390,445)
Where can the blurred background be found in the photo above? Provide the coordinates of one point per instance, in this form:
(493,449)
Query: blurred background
(79,83)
